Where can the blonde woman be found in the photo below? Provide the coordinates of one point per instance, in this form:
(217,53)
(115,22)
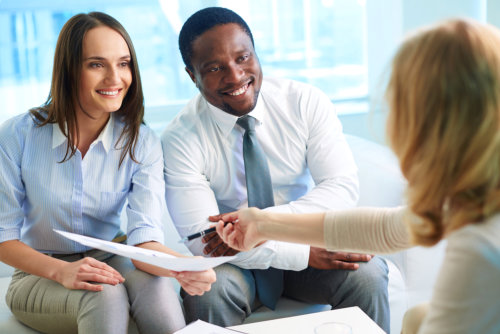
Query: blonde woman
(444,126)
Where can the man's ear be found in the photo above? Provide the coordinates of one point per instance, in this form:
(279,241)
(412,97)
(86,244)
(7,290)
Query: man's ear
(191,75)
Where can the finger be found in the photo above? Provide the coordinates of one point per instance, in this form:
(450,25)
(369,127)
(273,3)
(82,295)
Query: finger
(88,286)
(214,218)
(353,257)
(208,237)
(95,277)
(345,265)
(229,217)
(228,230)
(212,244)
(104,267)
(220,230)
(221,250)
(231,252)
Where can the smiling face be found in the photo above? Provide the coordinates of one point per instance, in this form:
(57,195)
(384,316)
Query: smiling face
(106,74)
(226,69)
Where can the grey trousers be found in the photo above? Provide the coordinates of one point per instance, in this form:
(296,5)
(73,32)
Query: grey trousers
(233,296)
(49,307)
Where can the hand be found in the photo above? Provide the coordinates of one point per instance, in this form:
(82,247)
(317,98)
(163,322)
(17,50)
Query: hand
(76,275)
(215,245)
(239,229)
(320,258)
(195,283)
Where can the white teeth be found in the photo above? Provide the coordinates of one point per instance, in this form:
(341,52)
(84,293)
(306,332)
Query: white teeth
(108,92)
(239,91)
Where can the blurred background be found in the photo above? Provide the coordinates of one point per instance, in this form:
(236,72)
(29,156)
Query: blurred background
(343,47)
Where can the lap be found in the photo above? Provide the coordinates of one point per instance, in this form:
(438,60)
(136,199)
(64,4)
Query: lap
(321,286)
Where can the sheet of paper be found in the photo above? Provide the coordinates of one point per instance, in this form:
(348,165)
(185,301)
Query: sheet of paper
(200,326)
(149,256)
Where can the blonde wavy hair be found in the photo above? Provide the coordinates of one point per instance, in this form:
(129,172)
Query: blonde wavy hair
(444,125)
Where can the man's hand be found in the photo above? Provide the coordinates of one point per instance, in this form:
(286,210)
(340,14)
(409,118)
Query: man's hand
(320,258)
(215,246)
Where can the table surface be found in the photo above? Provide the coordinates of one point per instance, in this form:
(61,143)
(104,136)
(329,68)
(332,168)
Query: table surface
(304,324)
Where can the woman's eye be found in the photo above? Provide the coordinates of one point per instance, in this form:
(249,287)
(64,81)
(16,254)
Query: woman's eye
(95,65)
(124,64)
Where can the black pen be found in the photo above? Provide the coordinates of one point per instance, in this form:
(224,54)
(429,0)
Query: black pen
(199,234)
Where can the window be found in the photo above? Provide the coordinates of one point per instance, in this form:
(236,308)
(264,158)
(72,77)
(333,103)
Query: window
(321,42)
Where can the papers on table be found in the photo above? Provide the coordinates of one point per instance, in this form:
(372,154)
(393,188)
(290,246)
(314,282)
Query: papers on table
(200,326)
(150,256)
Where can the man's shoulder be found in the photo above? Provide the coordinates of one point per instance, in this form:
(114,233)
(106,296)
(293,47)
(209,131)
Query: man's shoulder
(287,87)
(190,116)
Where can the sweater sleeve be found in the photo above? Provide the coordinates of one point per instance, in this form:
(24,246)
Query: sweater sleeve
(368,230)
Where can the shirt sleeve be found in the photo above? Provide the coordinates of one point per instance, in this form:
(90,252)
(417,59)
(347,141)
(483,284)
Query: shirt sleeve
(12,191)
(146,200)
(329,159)
(190,202)
(367,230)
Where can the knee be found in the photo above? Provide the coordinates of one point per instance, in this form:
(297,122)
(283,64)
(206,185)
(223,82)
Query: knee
(413,318)
(372,276)
(232,283)
(113,299)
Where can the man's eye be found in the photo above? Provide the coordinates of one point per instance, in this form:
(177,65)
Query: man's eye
(214,69)
(243,58)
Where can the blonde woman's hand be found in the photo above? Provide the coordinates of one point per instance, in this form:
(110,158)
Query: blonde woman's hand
(78,275)
(239,229)
(196,283)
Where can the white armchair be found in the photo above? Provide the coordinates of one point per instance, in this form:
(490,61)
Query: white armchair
(411,273)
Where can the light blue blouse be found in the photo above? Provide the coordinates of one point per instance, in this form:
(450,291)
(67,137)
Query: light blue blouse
(38,193)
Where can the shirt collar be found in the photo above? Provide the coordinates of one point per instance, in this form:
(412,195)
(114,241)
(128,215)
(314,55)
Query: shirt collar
(226,121)
(106,135)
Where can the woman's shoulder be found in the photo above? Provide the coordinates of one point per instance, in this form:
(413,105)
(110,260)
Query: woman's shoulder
(18,125)
(480,240)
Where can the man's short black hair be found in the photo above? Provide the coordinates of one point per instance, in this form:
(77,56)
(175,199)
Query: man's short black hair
(203,20)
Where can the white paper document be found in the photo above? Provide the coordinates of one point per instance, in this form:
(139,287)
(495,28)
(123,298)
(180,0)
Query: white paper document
(200,326)
(156,258)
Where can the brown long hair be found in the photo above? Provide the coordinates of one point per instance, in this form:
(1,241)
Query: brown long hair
(444,125)
(61,105)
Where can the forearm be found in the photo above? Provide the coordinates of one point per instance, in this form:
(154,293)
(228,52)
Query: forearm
(367,230)
(21,256)
(297,228)
(149,268)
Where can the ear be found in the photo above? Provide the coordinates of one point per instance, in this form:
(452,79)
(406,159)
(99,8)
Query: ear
(191,75)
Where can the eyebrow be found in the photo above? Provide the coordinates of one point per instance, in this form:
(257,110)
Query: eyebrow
(126,57)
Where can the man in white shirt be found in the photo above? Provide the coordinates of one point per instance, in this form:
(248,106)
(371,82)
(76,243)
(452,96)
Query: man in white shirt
(311,167)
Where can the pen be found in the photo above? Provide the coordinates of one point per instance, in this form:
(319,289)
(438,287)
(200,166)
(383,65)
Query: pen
(200,234)
(197,235)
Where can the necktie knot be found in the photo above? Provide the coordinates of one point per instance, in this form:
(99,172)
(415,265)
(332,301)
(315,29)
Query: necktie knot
(246,122)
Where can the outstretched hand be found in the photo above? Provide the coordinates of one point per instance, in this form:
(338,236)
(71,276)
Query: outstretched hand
(239,229)
(320,258)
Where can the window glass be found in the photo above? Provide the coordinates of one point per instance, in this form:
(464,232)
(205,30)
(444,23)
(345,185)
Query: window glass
(316,41)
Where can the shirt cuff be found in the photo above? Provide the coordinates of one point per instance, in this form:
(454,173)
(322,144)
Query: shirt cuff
(290,256)
(145,234)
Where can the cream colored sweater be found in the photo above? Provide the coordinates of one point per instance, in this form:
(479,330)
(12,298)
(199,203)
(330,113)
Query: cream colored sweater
(466,296)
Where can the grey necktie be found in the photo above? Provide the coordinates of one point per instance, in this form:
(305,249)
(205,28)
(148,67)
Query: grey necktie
(269,282)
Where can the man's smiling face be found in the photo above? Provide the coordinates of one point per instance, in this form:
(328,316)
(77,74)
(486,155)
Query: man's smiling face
(226,69)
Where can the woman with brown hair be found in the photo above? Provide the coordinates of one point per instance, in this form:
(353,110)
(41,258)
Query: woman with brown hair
(71,165)
(444,126)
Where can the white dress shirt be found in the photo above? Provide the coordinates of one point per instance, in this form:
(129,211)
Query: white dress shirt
(39,193)
(311,165)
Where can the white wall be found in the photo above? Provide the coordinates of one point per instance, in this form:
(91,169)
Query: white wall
(388,21)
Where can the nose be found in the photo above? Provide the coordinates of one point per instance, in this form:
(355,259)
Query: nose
(112,75)
(234,73)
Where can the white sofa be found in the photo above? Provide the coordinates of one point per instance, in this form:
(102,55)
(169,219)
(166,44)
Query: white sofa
(411,273)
